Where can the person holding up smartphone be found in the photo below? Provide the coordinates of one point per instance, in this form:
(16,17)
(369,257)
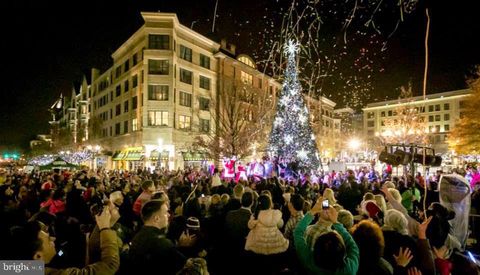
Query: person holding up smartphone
(334,252)
(27,238)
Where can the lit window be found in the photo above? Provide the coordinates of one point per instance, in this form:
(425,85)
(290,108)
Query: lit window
(134,124)
(184,122)
(246,78)
(247,61)
(157,118)
(158,92)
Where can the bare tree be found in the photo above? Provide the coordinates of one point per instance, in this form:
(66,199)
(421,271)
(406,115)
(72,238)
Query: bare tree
(408,125)
(243,117)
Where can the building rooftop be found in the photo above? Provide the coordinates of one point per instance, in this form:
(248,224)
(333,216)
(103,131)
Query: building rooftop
(419,98)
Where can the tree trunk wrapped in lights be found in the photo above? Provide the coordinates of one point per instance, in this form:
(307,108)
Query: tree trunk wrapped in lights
(292,137)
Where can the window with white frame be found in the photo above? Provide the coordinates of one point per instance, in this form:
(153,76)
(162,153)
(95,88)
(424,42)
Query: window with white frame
(204,82)
(185,76)
(204,125)
(158,92)
(246,78)
(184,122)
(134,124)
(185,53)
(157,118)
(158,66)
(185,99)
(159,41)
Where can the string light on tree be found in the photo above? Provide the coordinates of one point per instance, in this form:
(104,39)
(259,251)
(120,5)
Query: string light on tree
(302,154)
(278,121)
(302,118)
(288,139)
(291,120)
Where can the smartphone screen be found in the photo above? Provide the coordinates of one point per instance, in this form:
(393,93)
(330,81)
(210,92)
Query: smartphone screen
(472,258)
(325,204)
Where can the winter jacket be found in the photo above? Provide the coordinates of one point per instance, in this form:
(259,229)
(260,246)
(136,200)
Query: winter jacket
(305,254)
(265,236)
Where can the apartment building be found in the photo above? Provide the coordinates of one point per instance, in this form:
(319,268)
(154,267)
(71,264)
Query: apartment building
(325,125)
(161,93)
(70,116)
(440,111)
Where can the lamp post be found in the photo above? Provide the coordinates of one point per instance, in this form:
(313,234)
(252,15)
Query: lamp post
(160,145)
(94,150)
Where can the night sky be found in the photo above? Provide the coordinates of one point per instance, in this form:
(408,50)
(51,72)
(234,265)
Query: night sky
(49,45)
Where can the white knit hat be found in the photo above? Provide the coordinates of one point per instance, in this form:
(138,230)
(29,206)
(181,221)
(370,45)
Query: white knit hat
(395,220)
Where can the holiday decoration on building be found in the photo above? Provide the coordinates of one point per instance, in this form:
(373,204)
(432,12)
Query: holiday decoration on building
(292,137)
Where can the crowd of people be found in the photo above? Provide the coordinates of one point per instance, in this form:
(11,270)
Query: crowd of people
(197,221)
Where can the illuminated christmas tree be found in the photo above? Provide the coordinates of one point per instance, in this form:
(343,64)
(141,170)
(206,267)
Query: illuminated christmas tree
(292,137)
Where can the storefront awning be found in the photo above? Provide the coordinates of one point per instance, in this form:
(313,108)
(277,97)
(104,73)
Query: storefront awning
(119,155)
(130,154)
(194,156)
(134,155)
(163,155)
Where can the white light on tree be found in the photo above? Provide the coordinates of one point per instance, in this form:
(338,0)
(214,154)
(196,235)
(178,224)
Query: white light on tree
(302,154)
(302,118)
(288,139)
(278,121)
(293,115)
(285,100)
(292,48)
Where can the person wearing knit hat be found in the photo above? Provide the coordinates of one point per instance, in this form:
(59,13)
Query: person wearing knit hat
(395,232)
(396,221)
(193,223)
(396,194)
(389,184)
(372,209)
(345,217)
(117,198)
(198,245)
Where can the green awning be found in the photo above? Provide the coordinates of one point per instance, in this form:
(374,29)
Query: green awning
(130,153)
(194,156)
(134,155)
(119,155)
(163,155)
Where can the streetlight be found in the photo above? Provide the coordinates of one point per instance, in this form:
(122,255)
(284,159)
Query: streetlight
(354,144)
(160,145)
(94,150)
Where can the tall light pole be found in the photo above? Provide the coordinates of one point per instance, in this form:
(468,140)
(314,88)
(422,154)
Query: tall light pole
(94,150)
(160,145)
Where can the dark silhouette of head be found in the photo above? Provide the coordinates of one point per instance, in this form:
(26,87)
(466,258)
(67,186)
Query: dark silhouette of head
(329,251)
